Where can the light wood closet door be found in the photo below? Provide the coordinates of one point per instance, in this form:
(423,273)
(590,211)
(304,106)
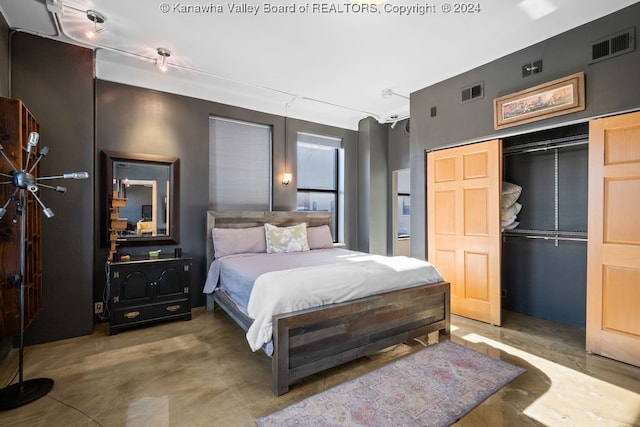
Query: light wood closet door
(613,257)
(463,231)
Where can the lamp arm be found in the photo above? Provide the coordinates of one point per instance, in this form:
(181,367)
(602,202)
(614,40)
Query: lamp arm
(57,188)
(71,175)
(48,212)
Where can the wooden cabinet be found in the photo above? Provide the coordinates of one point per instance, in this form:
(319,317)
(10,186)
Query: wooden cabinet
(16,122)
(148,290)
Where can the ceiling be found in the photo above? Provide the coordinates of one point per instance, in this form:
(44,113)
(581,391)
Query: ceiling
(329,64)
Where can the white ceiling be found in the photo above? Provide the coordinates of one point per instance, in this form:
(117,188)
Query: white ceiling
(323,66)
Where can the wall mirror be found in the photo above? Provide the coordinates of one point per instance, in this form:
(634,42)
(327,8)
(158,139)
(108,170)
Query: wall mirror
(148,184)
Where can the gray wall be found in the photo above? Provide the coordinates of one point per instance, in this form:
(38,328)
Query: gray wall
(611,86)
(373,176)
(4,57)
(68,103)
(144,121)
(55,82)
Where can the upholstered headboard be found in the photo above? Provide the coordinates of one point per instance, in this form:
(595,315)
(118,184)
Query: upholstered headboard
(245,219)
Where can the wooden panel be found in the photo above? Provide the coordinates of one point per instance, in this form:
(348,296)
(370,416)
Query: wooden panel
(476,208)
(446,262)
(243,219)
(445,169)
(476,267)
(622,146)
(312,340)
(620,297)
(620,198)
(613,256)
(445,215)
(476,165)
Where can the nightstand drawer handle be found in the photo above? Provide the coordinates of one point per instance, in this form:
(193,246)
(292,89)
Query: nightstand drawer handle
(132,314)
(173,308)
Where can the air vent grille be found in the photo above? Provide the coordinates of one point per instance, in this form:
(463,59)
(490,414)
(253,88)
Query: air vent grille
(614,45)
(471,93)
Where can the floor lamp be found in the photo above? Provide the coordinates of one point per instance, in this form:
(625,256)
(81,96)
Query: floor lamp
(25,182)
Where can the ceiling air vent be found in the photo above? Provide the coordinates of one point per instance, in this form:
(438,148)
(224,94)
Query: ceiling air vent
(472,92)
(613,45)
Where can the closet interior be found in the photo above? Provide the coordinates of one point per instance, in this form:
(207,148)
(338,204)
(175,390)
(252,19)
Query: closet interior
(544,258)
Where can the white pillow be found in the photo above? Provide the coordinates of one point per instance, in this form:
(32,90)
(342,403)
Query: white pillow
(510,188)
(510,193)
(507,222)
(286,239)
(319,237)
(512,210)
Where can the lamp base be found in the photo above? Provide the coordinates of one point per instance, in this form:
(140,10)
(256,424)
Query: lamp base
(12,396)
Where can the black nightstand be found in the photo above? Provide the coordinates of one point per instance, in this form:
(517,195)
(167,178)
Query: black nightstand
(148,290)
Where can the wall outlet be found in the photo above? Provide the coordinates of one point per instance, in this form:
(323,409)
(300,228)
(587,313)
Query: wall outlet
(98,308)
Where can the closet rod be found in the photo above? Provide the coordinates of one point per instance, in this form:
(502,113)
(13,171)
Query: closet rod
(546,145)
(556,238)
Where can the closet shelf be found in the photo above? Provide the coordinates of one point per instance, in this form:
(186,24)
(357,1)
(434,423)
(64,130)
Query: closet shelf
(575,236)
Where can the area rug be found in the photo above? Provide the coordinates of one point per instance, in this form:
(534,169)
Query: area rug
(435,386)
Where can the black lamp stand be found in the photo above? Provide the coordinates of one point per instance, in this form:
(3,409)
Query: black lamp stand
(24,392)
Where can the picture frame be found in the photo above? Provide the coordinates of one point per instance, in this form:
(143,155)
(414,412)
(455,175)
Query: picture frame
(561,96)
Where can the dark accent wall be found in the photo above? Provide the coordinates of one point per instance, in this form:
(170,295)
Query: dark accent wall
(55,81)
(611,87)
(4,57)
(140,120)
(373,176)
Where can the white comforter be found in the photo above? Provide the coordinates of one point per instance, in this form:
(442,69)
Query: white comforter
(285,291)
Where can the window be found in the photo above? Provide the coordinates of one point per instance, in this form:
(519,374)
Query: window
(320,167)
(239,165)
(403,200)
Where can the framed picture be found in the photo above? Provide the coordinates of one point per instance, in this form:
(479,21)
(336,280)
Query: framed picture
(561,96)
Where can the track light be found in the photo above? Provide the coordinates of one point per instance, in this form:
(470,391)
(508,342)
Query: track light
(161,62)
(388,93)
(96,18)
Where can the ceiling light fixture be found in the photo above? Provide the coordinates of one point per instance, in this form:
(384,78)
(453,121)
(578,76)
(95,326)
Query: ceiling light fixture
(388,93)
(96,18)
(161,62)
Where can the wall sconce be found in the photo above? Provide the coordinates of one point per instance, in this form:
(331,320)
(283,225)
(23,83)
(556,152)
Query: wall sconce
(286,178)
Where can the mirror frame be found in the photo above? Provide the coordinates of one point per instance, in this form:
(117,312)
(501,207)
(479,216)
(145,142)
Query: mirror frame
(108,160)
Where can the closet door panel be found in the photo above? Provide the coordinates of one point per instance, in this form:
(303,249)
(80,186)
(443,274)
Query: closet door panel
(463,210)
(619,201)
(613,275)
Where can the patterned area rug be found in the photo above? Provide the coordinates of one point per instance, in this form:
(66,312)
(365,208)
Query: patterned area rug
(432,387)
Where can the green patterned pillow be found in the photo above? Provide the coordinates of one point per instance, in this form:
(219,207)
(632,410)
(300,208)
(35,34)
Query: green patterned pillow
(286,239)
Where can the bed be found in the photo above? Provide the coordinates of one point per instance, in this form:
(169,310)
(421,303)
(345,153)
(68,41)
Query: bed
(309,340)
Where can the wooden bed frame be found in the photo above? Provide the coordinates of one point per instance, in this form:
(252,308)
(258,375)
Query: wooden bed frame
(309,341)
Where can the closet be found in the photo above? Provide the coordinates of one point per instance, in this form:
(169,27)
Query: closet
(574,256)
(544,258)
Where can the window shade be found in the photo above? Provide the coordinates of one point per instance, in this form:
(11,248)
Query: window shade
(239,165)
